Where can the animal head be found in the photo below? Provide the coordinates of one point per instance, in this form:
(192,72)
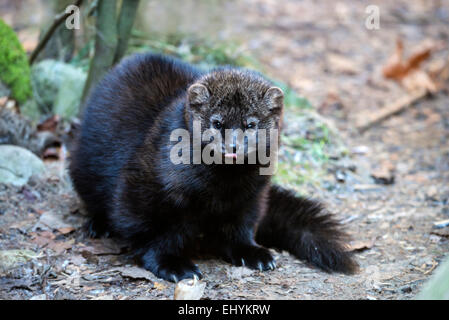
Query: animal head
(237,106)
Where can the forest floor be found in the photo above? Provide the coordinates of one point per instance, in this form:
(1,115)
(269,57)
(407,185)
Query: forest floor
(324,52)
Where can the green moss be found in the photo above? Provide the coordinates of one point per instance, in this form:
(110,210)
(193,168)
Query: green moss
(14,67)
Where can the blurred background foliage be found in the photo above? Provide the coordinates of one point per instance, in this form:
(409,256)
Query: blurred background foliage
(14,68)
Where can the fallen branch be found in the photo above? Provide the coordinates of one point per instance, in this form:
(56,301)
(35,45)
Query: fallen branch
(392,109)
(56,22)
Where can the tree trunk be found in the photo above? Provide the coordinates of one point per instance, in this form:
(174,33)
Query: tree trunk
(62,43)
(126,21)
(105,45)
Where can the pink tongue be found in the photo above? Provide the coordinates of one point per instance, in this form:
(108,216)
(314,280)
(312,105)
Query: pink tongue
(231,155)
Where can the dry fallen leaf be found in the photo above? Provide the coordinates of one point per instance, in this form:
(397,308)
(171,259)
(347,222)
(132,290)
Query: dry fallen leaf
(384,174)
(361,245)
(43,234)
(417,80)
(49,124)
(59,246)
(102,247)
(45,239)
(135,273)
(397,68)
(50,220)
(408,72)
(22,225)
(66,230)
(341,64)
(159,286)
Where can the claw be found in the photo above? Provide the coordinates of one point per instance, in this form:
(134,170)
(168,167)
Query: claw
(175,278)
(260,265)
(243,262)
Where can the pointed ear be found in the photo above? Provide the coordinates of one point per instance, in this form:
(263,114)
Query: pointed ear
(198,94)
(275,99)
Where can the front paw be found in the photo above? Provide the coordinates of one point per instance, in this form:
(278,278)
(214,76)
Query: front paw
(173,268)
(252,257)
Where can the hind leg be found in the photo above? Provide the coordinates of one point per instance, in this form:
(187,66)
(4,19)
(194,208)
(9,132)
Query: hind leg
(96,228)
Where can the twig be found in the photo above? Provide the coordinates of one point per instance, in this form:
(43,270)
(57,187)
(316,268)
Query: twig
(392,109)
(56,22)
(435,82)
(434,265)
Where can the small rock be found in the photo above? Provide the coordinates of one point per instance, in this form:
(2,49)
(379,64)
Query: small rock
(434,238)
(17,165)
(340,176)
(57,87)
(383,175)
(360,150)
(432,193)
(189,289)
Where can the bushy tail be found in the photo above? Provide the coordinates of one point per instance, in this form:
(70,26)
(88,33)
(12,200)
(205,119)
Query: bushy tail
(304,228)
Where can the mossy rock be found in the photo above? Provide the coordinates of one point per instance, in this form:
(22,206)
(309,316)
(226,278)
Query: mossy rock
(57,89)
(14,67)
(18,165)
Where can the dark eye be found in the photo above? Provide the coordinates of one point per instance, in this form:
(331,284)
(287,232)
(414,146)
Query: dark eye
(217,124)
(251,125)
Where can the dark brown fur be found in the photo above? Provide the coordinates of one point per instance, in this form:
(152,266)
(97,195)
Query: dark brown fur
(170,213)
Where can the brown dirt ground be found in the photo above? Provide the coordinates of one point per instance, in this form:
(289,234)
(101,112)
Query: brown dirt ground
(299,43)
